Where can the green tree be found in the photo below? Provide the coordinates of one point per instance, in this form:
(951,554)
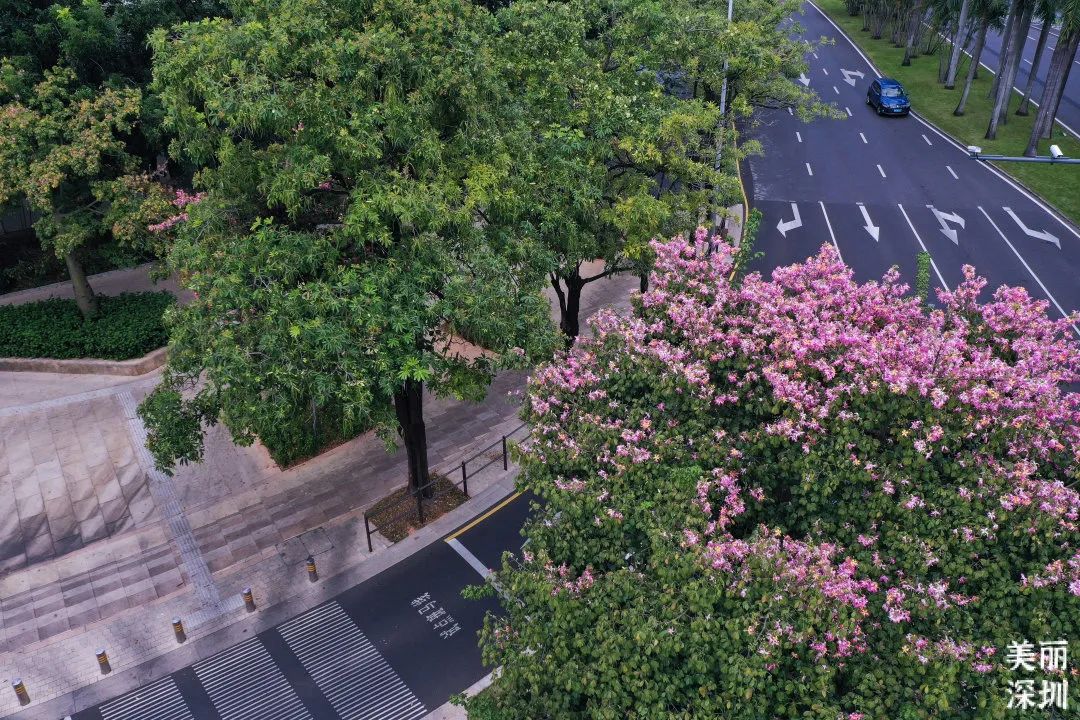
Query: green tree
(77,129)
(619,98)
(793,498)
(357,218)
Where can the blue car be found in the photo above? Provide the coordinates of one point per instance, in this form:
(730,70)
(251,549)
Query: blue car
(887,97)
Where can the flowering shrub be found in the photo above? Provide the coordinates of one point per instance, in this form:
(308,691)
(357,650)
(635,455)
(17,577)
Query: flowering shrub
(796,497)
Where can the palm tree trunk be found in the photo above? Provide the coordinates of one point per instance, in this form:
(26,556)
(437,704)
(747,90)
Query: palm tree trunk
(1007,70)
(1056,77)
(976,53)
(957,47)
(913,27)
(1006,39)
(1039,47)
(1014,64)
(84,294)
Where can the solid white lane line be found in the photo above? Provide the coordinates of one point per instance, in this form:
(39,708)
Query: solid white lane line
(952,172)
(473,561)
(808,170)
(1028,268)
(798,136)
(927,141)
(881,171)
(831,233)
(923,246)
(863,138)
(848,110)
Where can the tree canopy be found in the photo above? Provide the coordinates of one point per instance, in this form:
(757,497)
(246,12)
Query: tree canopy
(355,217)
(796,497)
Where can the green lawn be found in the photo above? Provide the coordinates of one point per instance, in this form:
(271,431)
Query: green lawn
(1058,184)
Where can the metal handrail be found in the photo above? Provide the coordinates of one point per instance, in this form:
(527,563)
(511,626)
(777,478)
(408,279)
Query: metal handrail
(463,482)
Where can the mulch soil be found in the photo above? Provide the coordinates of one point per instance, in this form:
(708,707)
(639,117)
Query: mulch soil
(395,516)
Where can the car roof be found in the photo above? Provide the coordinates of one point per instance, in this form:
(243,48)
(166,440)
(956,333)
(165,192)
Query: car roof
(889,82)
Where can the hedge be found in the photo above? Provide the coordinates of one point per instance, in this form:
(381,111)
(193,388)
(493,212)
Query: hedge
(127,326)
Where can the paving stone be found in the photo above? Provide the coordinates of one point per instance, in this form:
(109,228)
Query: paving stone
(112,510)
(71,543)
(47,630)
(93,528)
(79,596)
(81,619)
(39,548)
(84,509)
(30,506)
(113,607)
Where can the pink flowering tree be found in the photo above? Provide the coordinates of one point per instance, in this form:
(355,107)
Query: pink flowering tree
(797,497)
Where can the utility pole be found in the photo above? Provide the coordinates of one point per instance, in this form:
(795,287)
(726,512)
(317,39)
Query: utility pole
(720,122)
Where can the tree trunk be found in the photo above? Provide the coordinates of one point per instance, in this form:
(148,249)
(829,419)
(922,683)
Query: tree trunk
(569,303)
(1006,39)
(1006,72)
(1014,64)
(976,52)
(409,406)
(1039,47)
(84,294)
(913,27)
(958,47)
(1056,77)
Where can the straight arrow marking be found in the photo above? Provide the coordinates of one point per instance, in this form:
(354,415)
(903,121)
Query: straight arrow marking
(783,227)
(1041,234)
(804,80)
(870,227)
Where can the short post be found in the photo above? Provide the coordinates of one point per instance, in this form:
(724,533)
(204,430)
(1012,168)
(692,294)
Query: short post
(103,661)
(506,463)
(464,480)
(178,628)
(20,691)
(367,529)
(249,599)
(312,571)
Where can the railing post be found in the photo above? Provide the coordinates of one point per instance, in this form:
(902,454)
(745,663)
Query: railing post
(505,458)
(367,529)
(464,480)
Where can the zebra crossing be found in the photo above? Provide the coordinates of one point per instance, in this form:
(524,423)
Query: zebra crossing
(347,668)
(158,701)
(243,682)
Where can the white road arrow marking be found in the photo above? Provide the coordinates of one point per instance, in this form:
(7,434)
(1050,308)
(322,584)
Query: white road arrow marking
(1042,235)
(783,227)
(850,75)
(804,80)
(945,229)
(870,227)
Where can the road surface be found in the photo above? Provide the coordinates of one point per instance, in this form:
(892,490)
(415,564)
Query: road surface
(882,189)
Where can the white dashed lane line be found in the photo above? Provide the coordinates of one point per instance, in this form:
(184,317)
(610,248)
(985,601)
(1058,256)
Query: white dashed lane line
(881,171)
(808,170)
(952,172)
(798,136)
(863,138)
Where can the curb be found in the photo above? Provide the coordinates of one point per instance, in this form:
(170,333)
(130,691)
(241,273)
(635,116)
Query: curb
(87,366)
(1001,174)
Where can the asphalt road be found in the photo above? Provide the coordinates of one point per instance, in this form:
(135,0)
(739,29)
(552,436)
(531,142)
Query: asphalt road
(1069,111)
(392,648)
(881,189)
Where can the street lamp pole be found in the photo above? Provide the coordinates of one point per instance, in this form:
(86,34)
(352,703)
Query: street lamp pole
(1056,157)
(720,122)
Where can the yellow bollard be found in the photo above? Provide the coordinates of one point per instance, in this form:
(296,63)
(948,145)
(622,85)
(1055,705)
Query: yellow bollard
(312,571)
(103,661)
(249,599)
(178,628)
(20,691)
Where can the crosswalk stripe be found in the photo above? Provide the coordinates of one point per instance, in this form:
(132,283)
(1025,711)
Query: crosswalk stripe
(160,701)
(243,682)
(347,668)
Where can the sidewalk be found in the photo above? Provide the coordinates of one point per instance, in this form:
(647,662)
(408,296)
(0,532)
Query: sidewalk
(114,282)
(109,550)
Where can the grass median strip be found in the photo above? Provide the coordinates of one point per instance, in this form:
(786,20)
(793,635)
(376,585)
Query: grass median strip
(1057,184)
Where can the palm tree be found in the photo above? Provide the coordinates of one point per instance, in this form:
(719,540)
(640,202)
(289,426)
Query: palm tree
(957,45)
(1046,12)
(1021,12)
(1058,74)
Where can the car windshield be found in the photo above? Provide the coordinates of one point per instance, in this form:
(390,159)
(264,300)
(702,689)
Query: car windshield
(892,92)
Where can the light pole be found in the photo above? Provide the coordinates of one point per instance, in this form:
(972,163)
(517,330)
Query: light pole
(720,121)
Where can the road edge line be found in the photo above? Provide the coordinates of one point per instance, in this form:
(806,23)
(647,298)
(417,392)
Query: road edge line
(481,518)
(1001,174)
